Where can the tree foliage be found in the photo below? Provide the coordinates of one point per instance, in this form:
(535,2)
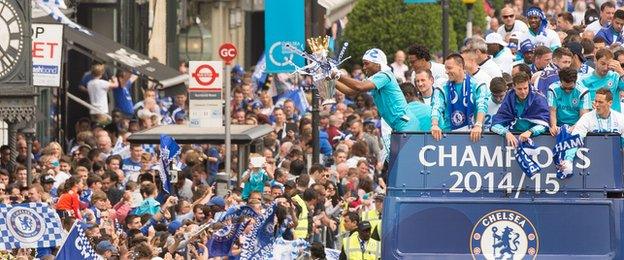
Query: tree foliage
(392,25)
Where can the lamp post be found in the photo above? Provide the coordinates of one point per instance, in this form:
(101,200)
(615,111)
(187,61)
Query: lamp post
(470,6)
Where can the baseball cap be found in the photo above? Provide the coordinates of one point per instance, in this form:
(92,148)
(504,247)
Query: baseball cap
(577,49)
(46,178)
(375,55)
(591,16)
(104,246)
(216,201)
(495,38)
(526,46)
(364,225)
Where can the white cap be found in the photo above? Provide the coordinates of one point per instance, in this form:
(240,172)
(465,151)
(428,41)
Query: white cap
(495,38)
(375,55)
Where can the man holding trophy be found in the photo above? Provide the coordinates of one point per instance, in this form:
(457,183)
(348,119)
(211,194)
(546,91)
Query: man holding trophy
(382,85)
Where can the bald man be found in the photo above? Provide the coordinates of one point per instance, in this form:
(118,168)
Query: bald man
(511,24)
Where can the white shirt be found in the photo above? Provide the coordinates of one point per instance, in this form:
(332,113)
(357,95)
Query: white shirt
(491,68)
(481,77)
(504,60)
(399,71)
(439,74)
(492,109)
(590,122)
(98,94)
(520,28)
(548,38)
(594,27)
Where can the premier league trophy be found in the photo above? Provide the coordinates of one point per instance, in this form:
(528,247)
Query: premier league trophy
(320,66)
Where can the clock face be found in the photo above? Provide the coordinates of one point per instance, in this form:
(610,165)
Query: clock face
(11,37)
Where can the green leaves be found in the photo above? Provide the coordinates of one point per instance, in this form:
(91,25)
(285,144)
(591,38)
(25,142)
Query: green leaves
(392,25)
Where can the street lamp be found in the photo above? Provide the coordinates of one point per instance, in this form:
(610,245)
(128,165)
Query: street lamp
(195,42)
(469,5)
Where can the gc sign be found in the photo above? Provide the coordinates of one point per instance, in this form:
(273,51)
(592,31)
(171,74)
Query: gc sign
(227,52)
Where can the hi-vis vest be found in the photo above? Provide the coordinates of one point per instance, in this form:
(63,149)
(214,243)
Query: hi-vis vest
(353,251)
(373,217)
(301,231)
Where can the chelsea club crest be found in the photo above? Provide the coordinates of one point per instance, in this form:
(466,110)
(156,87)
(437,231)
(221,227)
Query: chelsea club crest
(504,234)
(25,224)
(458,118)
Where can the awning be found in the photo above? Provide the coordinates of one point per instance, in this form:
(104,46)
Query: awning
(109,51)
(183,134)
(336,9)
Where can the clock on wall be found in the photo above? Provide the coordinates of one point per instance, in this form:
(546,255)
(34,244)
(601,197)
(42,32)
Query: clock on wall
(12,30)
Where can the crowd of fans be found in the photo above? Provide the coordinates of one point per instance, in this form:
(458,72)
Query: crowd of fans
(533,70)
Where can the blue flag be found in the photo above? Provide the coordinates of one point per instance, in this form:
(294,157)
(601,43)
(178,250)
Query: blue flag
(169,149)
(565,141)
(523,157)
(77,245)
(29,225)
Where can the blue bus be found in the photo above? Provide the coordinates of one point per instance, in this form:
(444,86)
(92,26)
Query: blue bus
(455,199)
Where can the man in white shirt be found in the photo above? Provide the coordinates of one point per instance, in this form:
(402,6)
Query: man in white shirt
(419,58)
(501,55)
(398,66)
(538,33)
(472,67)
(607,10)
(510,24)
(602,119)
(98,95)
(477,45)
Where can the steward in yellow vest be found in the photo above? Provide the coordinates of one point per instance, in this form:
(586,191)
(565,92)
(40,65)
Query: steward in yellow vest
(304,217)
(360,245)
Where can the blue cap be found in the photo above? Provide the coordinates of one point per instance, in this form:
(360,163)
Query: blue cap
(174,226)
(104,246)
(216,200)
(179,115)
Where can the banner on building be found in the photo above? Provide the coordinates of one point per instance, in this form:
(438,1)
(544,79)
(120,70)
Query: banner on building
(47,50)
(284,23)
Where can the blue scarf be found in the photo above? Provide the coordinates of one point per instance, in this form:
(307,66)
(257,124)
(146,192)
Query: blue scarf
(549,75)
(526,163)
(565,140)
(461,106)
(536,110)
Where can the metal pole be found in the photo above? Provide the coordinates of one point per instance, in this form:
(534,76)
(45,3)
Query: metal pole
(228,123)
(469,23)
(316,121)
(29,133)
(445,27)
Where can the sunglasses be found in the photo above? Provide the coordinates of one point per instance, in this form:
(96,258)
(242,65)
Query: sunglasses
(508,16)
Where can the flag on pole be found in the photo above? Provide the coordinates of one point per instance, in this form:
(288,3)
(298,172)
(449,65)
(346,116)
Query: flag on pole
(29,225)
(169,149)
(77,245)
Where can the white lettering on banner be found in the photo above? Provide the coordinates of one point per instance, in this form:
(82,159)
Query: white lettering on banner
(473,182)
(445,156)
(131,60)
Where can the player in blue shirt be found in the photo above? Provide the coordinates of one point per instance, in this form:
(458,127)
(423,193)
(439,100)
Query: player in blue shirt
(567,100)
(612,34)
(417,110)
(383,87)
(461,104)
(607,75)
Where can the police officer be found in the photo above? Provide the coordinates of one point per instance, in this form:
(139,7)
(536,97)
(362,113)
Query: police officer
(360,245)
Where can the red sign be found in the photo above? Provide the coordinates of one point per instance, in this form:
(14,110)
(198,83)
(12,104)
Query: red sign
(205,75)
(227,52)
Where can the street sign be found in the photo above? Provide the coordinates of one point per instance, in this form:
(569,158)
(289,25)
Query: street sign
(227,52)
(206,75)
(47,49)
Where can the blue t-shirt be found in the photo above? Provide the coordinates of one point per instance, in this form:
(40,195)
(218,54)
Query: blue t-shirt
(129,166)
(123,99)
(420,117)
(213,167)
(389,100)
(568,105)
(611,81)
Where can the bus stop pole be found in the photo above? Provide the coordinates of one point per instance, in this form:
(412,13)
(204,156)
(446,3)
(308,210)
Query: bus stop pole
(228,123)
